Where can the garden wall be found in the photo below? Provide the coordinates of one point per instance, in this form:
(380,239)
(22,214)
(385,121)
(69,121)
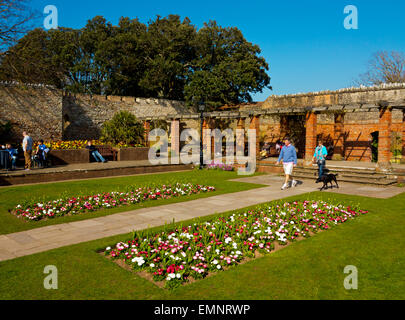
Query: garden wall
(129,154)
(61,157)
(356,136)
(84,115)
(50,114)
(36,110)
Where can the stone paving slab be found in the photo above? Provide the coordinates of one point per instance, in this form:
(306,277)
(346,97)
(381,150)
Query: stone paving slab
(56,236)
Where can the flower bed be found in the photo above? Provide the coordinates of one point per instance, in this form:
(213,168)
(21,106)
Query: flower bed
(80,144)
(197,250)
(77,205)
(220,166)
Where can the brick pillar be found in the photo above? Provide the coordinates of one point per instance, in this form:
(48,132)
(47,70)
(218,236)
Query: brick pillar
(384,139)
(310,137)
(175,141)
(146,127)
(211,125)
(241,126)
(255,125)
(339,151)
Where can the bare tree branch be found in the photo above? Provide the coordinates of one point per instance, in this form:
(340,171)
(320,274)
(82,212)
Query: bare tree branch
(16,18)
(384,67)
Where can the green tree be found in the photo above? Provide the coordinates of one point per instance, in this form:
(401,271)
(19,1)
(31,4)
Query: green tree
(124,56)
(227,69)
(170,52)
(123,128)
(167,58)
(42,57)
(89,70)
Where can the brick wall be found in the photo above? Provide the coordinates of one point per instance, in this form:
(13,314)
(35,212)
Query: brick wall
(352,140)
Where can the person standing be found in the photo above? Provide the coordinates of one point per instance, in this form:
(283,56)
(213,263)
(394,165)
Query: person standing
(320,157)
(288,155)
(27,148)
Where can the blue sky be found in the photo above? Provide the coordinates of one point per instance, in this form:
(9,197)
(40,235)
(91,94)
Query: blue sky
(304,42)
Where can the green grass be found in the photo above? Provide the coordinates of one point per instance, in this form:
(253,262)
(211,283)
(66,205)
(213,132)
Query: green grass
(310,269)
(12,196)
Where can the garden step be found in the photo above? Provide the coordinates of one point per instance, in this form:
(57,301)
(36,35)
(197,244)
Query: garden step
(339,169)
(330,167)
(381,182)
(348,174)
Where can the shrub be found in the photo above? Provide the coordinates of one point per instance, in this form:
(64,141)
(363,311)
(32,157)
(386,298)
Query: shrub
(123,128)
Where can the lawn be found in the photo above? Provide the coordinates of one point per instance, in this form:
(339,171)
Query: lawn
(309,269)
(12,196)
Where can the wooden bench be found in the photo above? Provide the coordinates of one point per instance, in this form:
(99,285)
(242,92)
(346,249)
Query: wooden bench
(107,152)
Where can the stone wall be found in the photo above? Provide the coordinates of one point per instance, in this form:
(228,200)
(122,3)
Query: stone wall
(35,110)
(50,114)
(394,93)
(84,115)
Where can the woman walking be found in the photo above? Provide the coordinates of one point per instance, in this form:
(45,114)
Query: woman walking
(320,157)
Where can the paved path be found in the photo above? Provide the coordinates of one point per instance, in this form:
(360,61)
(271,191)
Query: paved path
(56,236)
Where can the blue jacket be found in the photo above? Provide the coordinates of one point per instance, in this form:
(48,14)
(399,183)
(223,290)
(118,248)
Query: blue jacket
(12,152)
(320,153)
(288,154)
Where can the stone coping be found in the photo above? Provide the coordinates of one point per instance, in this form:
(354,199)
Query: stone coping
(276,111)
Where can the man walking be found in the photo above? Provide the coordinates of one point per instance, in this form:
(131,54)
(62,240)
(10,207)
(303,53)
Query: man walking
(27,148)
(288,155)
(320,157)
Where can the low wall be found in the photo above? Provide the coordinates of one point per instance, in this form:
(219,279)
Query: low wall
(38,176)
(60,157)
(130,154)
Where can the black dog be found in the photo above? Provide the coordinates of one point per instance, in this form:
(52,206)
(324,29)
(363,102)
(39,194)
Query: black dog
(328,178)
